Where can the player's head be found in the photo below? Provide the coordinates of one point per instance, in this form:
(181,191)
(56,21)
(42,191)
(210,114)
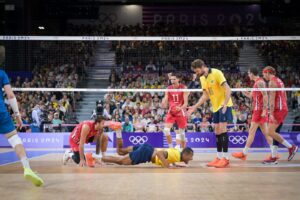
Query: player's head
(198,66)
(252,73)
(175,78)
(187,155)
(269,72)
(99,122)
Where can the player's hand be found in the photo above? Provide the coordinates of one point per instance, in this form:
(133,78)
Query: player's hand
(224,109)
(190,111)
(19,122)
(82,163)
(169,75)
(178,108)
(264,113)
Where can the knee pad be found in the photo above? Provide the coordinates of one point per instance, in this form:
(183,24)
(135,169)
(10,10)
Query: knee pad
(167,131)
(182,134)
(14,140)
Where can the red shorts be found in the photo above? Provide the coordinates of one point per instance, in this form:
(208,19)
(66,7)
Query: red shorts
(74,146)
(257,118)
(179,118)
(279,116)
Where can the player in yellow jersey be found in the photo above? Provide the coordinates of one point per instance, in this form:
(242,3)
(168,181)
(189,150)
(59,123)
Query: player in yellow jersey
(216,89)
(144,153)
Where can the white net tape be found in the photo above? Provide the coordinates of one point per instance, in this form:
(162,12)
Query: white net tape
(143,90)
(149,38)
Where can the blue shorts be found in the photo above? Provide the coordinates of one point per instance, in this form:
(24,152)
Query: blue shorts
(141,154)
(219,117)
(6,123)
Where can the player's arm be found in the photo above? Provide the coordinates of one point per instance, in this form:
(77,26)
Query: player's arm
(13,103)
(202,100)
(98,141)
(262,84)
(272,84)
(162,156)
(84,132)
(227,93)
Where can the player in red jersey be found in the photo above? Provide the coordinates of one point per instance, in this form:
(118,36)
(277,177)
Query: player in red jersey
(259,112)
(178,102)
(87,132)
(278,112)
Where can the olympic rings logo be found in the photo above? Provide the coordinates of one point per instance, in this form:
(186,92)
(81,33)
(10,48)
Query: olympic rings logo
(138,139)
(237,139)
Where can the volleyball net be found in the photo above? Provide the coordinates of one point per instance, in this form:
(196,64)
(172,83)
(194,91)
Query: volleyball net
(80,76)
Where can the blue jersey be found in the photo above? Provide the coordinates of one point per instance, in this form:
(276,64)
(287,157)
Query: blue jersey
(3,81)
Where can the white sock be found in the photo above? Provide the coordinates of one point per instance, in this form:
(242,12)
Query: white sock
(286,144)
(245,150)
(119,133)
(103,153)
(71,154)
(96,156)
(25,162)
(219,155)
(225,155)
(170,145)
(177,146)
(274,151)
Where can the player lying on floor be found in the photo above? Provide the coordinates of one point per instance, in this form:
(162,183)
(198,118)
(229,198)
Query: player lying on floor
(88,132)
(144,153)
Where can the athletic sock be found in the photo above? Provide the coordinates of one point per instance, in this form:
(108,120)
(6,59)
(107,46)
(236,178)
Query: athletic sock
(274,150)
(245,150)
(286,144)
(25,162)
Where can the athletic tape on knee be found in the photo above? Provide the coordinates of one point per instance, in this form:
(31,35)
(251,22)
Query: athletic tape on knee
(178,136)
(14,141)
(119,133)
(182,134)
(167,131)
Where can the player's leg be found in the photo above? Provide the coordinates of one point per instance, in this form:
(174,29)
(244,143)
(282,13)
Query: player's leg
(180,135)
(222,136)
(16,142)
(117,160)
(167,129)
(251,135)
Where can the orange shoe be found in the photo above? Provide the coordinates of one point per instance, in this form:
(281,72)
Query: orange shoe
(90,162)
(239,155)
(222,163)
(213,163)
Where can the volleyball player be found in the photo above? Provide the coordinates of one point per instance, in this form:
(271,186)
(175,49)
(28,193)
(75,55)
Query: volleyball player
(216,89)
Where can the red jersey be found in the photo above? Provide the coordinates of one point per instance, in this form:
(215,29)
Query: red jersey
(257,97)
(175,98)
(76,133)
(280,96)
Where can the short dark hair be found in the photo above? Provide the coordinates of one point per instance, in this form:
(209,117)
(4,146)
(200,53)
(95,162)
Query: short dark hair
(198,63)
(187,150)
(99,119)
(254,71)
(177,75)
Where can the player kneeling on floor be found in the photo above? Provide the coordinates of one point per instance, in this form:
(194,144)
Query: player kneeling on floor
(88,132)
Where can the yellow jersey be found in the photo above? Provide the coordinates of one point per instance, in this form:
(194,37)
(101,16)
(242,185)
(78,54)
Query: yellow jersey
(212,83)
(173,156)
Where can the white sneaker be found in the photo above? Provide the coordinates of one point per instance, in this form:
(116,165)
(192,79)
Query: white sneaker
(66,157)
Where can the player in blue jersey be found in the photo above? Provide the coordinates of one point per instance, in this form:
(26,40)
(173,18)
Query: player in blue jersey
(8,129)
